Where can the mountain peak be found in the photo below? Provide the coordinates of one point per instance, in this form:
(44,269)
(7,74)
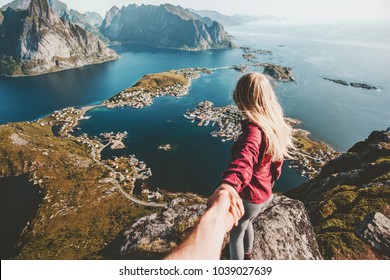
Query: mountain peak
(37,41)
(41,9)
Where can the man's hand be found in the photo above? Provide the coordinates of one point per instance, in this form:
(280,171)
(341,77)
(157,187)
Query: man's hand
(225,208)
(228,204)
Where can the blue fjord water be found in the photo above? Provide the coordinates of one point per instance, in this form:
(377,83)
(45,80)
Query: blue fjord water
(339,115)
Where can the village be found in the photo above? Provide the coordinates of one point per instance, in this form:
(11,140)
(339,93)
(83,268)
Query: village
(228,119)
(173,83)
(123,172)
(309,156)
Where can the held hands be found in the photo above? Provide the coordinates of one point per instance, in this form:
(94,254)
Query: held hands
(227,204)
(225,208)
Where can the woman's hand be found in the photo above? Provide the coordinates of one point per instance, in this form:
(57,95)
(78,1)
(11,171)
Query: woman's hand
(226,201)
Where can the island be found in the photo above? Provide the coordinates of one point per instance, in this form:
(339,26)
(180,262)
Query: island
(240,68)
(279,73)
(309,157)
(173,83)
(355,85)
(166,147)
(251,54)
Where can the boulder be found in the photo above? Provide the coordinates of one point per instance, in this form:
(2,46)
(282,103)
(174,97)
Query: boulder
(284,232)
(375,230)
(151,237)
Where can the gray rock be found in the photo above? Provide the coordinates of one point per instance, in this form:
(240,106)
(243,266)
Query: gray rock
(347,189)
(284,232)
(154,235)
(375,230)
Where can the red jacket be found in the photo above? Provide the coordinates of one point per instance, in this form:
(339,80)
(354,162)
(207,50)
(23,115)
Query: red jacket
(251,172)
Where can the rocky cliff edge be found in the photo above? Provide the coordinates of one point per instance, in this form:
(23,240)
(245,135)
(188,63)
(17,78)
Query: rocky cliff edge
(349,201)
(282,232)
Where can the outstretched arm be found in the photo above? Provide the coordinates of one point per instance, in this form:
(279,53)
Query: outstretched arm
(225,208)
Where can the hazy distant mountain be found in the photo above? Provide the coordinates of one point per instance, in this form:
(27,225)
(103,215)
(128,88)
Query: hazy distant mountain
(224,19)
(165,26)
(37,40)
(17,5)
(90,21)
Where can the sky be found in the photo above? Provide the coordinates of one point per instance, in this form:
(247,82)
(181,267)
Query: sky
(341,9)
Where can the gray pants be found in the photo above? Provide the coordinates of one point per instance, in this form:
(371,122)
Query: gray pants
(242,236)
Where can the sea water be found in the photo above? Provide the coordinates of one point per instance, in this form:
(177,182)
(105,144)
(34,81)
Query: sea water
(336,114)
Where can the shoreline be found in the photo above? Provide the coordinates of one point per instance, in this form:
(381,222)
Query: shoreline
(310,155)
(59,70)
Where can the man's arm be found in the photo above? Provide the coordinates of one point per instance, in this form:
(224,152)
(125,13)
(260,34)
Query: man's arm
(205,241)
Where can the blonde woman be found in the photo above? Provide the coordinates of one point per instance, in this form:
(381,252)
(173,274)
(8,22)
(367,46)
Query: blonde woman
(257,156)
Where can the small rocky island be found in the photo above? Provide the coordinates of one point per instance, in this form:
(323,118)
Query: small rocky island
(240,68)
(279,73)
(310,156)
(166,147)
(251,54)
(355,85)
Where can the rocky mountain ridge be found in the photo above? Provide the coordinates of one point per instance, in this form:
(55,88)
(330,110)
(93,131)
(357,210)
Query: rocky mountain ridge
(164,26)
(89,21)
(37,41)
(349,201)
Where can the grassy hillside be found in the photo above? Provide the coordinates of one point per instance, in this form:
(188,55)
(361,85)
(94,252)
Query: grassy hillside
(80,213)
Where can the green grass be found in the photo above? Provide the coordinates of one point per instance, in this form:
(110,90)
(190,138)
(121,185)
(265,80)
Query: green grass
(161,80)
(78,218)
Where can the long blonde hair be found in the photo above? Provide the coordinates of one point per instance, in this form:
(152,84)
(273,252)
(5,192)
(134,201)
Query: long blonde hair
(256,100)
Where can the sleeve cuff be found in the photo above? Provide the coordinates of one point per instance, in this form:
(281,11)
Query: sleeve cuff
(236,184)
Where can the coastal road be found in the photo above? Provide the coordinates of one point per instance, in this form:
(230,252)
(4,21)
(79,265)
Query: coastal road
(118,186)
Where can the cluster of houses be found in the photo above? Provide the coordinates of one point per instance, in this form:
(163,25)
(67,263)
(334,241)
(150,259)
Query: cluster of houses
(125,166)
(128,170)
(137,97)
(68,118)
(140,97)
(115,139)
(310,163)
(228,119)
